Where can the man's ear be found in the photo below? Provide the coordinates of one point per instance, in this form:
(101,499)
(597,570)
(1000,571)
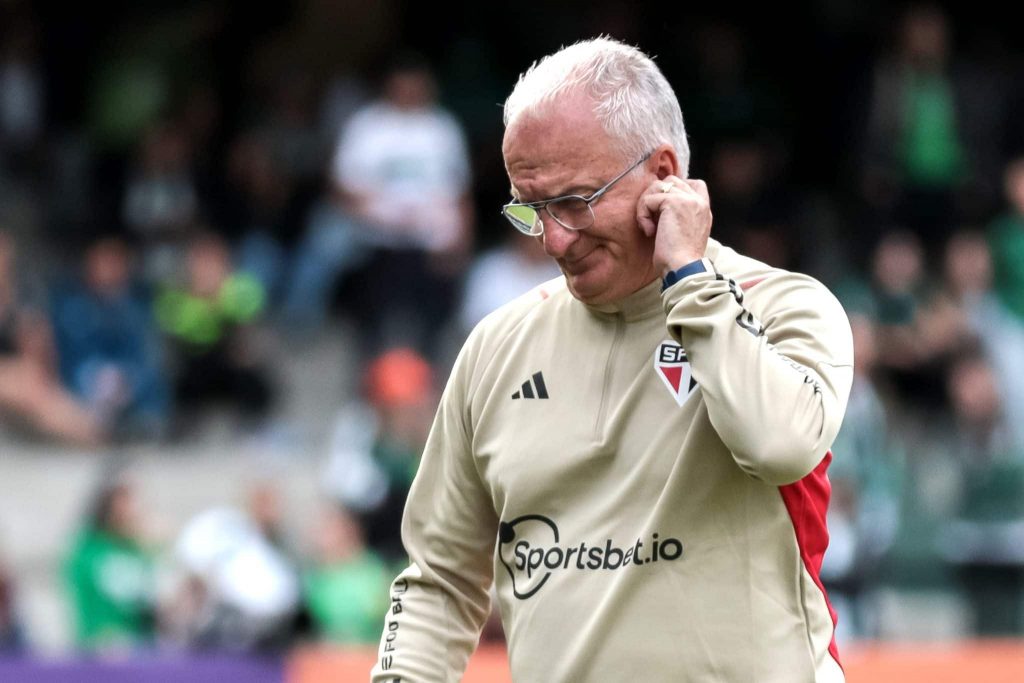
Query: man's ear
(664,161)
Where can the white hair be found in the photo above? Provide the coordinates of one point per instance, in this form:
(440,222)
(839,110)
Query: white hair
(633,101)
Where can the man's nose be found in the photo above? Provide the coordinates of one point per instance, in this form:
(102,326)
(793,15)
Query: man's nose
(557,238)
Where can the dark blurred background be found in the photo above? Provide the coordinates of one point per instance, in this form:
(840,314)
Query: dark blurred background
(240,244)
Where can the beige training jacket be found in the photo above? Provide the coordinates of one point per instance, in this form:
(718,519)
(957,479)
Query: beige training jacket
(644,482)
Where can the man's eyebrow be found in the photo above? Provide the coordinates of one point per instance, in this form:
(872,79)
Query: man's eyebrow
(583,189)
(580,189)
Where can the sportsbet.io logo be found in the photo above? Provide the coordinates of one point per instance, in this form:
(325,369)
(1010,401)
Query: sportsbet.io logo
(531,550)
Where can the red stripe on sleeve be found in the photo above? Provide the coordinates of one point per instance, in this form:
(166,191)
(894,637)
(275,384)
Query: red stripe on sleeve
(807,503)
(752,283)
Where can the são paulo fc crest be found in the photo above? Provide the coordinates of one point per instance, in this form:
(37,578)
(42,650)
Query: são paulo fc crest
(673,368)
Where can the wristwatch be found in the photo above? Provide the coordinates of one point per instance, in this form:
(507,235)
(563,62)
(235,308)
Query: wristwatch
(692,268)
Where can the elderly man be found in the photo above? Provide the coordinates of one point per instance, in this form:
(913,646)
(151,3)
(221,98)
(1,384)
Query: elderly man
(635,453)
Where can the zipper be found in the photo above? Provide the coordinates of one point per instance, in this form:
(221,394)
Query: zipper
(620,328)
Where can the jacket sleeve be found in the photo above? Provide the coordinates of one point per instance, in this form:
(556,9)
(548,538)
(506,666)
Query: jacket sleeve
(775,376)
(440,602)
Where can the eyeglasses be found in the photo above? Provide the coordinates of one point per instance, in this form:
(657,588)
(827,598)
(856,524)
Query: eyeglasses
(572,211)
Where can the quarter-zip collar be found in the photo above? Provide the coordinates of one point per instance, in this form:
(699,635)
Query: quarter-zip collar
(643,303)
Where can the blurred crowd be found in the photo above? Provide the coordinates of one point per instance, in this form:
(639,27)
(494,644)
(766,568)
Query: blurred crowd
(190,218)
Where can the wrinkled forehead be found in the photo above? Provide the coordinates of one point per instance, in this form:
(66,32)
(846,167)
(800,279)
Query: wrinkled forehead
(565,133)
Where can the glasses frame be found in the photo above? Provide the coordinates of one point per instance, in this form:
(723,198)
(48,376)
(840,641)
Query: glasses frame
(542,204)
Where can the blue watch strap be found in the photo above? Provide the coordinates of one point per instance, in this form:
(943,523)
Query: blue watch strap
(689,269)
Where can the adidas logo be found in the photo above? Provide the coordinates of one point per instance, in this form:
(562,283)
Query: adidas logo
(527,390)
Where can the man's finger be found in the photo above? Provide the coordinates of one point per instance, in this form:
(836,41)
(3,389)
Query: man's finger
(700,187)
(661,186)
(650,205)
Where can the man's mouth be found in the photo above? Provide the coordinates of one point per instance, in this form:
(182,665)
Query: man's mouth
(578,265)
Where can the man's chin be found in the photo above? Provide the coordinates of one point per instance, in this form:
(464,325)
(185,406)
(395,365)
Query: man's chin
(588,291)
(596,288)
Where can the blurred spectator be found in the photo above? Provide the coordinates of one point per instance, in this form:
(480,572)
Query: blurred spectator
(933,132)
(259,210)
(899,290)
(238,592)
(500,275)
(866,476)
(160,199)
(209,322)
(951,320)
(346,590)
(29,385)
(108,342)
(12,637)
(401,174)
(376,446)
(109,574)
(925,326)
(987,540)
(267,513)
(266,510)
(969,313)
(1006,236)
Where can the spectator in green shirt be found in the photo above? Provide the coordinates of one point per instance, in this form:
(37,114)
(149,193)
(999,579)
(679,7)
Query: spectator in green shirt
(110,578)
(986,540)
(346,592)
(209,321)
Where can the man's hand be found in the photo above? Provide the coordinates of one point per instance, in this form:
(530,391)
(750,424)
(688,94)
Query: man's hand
(677,213)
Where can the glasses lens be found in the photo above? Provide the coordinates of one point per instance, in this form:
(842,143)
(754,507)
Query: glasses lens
(572,212)
(525,219)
